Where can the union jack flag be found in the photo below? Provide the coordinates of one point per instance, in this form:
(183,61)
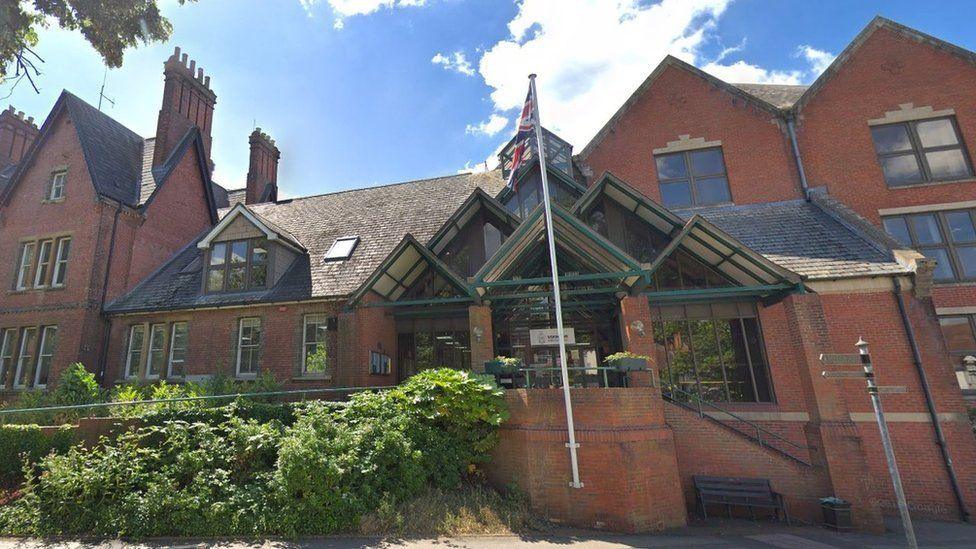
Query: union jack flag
(523,133)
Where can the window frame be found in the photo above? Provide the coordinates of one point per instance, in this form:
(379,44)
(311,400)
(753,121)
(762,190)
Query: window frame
(919,152)
(248,265)
(57,176)
(127,373)
(43,340)
(60,269)
(42,267)
(693,178)
(8,353)
(251,347)
(325,323)
(171,347)
(150,363)
(25,265)
(945,234)
(740,317)
(31,355)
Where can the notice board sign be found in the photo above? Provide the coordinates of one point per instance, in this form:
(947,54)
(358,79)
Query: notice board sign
(548,337)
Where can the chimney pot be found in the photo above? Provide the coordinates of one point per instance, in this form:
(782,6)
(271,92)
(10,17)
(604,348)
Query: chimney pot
(17,133)
(262,169)
(187,102)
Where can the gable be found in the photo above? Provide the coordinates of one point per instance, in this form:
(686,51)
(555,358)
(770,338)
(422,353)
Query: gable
(735,95)
(880,51)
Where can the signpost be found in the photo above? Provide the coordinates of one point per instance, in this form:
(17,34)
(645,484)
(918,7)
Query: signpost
(864,359)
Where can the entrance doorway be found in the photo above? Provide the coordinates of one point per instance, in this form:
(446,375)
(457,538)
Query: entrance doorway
(595,335)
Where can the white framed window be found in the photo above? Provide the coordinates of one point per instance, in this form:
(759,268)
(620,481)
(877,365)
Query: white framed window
(177,350)
(8,338)
(133,356)
(315,352)
(157,350)
(61,262)
(248,347)
(24,265)
(342,248)
(43,263)
(49,342)
(28,338)
(57,185)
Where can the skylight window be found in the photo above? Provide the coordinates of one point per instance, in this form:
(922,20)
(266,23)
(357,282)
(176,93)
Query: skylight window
(342,248)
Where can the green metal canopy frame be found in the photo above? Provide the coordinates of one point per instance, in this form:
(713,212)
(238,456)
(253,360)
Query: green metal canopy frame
(402,267)
(479,200)
(602,260)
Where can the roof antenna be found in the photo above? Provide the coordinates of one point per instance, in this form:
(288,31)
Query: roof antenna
(101,92)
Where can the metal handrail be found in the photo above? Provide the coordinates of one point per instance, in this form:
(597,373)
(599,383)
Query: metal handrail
(8,411)
(669,391)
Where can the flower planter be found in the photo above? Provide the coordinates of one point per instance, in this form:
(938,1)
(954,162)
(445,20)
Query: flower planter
(837,515)
(498,367)
(628,364)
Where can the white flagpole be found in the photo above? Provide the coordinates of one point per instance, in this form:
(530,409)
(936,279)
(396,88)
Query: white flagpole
(555,288)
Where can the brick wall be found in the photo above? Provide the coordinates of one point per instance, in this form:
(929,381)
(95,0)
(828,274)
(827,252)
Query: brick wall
(757,155)
(213,335)
(626,458)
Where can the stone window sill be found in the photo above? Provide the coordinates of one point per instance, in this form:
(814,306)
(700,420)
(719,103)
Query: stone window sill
(312,377)
(931,184)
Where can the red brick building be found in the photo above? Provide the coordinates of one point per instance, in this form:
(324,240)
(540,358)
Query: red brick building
(732,233)
(87,209)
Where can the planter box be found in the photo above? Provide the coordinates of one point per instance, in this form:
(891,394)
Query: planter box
(629,364)
(837,515)
(497,367)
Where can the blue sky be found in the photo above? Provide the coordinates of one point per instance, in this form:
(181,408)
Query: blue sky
(365,92)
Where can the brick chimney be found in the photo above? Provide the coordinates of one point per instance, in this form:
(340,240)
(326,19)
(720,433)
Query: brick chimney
(17,132)
(187,101)
(262,168)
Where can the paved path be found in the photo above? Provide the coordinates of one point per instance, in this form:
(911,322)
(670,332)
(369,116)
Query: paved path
(721,534)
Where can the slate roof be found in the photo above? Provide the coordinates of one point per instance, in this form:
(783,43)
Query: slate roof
(782,96)
(804,237)
(113,152)
(6,172)
(380,216)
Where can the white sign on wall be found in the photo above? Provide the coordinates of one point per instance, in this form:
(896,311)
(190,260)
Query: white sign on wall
(543,337)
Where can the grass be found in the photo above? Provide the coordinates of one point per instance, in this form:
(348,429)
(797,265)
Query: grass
(471,509)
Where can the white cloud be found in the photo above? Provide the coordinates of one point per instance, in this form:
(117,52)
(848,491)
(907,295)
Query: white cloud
(590,55)
(480,167)
(730,50)
(456,62)
(742,72)
(348,8)
(819,60)
(490,127)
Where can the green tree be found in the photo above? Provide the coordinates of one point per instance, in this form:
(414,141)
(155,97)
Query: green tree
(110,26)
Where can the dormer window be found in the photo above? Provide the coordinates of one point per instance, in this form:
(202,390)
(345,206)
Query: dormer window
(237,266)
(342,248)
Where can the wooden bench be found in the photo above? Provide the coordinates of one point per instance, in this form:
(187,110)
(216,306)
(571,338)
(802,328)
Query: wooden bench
(743,492)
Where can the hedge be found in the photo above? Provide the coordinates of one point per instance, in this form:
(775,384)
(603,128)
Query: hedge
(32,442)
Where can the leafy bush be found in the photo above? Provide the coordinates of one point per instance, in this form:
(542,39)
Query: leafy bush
(76,386)
(203,472)
(24,445)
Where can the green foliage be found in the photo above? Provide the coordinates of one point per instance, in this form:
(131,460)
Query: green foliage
(76,386)
(610,359)
(24,445)
(110,26)
(253,468)
(317,362)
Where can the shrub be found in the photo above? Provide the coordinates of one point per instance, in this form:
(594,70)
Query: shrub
(24,445)
(76,386)
(218,471)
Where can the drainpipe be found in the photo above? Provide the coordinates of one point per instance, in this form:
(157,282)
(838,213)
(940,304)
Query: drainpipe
(791,129)
(103,352)
(930,403)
